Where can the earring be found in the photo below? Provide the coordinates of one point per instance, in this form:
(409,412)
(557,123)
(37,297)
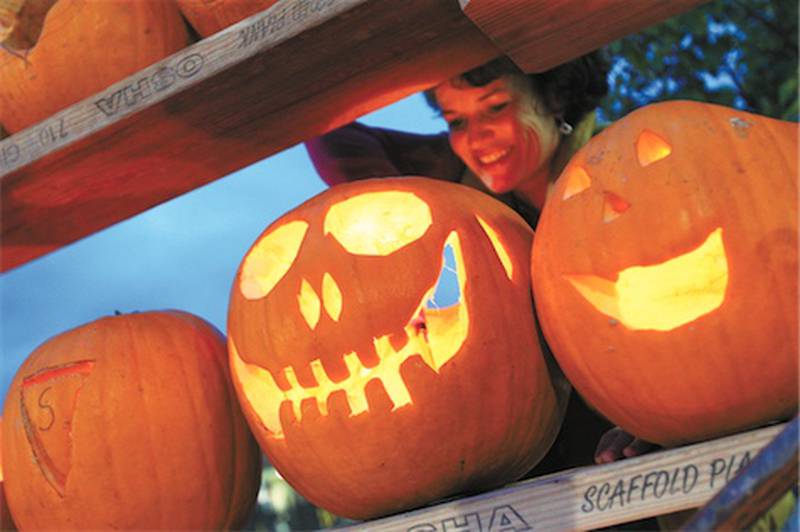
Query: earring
(563,127)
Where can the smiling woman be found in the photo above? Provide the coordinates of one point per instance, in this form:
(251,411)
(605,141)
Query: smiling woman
(510,135)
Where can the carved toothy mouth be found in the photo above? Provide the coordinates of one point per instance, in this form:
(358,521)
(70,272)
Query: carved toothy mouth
(662,296)
(435,332)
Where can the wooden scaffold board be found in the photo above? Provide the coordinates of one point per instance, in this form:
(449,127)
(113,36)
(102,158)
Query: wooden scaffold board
(594,496)
(296,70)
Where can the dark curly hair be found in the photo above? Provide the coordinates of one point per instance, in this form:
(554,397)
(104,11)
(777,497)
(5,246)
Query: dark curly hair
(569,90)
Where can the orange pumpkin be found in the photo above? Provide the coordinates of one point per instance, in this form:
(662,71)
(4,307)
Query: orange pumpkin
(129,422)
(665,271)
(210,16)
(383,345)
(6,522)
(84,47)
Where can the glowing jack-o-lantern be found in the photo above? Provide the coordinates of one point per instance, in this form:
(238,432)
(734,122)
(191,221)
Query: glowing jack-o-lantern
(384,347)
(129,422)
(665,271)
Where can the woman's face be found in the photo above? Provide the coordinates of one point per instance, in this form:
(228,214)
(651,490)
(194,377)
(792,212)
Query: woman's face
(500,131)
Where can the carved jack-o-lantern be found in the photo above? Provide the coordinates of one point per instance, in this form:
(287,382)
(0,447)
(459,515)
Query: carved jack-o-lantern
(384,348)
(665,271)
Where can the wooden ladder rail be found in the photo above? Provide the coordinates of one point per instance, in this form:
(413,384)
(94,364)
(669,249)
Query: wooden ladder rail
(756,489)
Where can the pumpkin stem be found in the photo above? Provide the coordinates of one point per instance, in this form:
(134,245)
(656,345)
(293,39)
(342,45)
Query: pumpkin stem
(21,23)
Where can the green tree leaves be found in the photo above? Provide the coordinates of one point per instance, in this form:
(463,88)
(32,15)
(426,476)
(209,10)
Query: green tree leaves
(739,53)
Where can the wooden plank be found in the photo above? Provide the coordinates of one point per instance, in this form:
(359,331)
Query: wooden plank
(595,496)
(526,30)
(293,71)
(755,489)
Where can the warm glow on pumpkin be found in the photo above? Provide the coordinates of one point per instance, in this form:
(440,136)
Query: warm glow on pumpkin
(502,254)
(435,334)
(270,259)
(651,148)
(662,296)
(576,181)
(331,297)
(378,223)
(308,301)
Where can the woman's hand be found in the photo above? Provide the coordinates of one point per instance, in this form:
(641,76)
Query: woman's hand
(617,444)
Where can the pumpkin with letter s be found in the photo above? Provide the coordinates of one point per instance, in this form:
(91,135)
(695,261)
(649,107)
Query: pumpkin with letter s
(129,422)
(384,348)
(665,271)
(55,54)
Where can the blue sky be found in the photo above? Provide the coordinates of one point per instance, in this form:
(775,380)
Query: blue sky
(182,254)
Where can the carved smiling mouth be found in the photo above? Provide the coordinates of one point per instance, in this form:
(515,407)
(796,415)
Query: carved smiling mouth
(435,332)
(662,296)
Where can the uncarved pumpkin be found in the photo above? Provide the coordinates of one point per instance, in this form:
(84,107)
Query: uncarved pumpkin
(129,422)
(84,47)
(6,521)
(384,348)
(210,16)
(665,271)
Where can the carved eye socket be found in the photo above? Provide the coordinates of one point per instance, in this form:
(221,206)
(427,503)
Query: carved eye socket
(499,248)
(651,148)
(378,223)
(577,180)
(270,259)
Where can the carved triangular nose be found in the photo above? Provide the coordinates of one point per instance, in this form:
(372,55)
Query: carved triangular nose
(308,301)
(613,206)
(311,305)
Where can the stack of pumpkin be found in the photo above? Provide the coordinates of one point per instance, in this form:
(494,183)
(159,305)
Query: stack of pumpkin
(54,53)
(664,273)
(382,340)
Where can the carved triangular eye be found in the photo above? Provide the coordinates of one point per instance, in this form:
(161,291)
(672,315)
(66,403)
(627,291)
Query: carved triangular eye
(651,148)
(270,259)
(577,180)
(378,223)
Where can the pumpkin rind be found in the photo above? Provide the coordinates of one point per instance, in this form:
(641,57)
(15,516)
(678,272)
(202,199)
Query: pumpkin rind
(485,417)
(210,16)
(84,47)
(129,422)
(656,186)
(6,521)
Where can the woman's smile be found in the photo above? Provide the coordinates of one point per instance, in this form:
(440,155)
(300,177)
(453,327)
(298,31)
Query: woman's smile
(487,158)
(501,139)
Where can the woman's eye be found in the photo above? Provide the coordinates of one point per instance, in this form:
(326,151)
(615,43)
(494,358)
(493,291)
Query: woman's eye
(456,123)
(497,107)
